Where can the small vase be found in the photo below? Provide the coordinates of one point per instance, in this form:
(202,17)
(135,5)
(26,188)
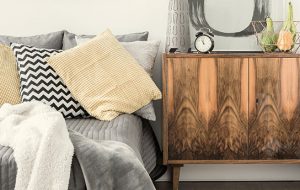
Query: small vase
(178,31)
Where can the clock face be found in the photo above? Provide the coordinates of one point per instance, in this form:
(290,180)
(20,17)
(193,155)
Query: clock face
(204,44)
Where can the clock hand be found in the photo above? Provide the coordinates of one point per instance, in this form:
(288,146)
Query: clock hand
(202,41)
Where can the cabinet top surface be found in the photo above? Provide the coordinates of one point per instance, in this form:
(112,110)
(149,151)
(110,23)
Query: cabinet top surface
(233,55)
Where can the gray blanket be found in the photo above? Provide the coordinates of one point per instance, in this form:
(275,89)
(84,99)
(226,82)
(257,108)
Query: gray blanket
(110,165)
(126,128)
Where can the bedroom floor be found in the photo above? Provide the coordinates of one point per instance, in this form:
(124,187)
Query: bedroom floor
(291,185)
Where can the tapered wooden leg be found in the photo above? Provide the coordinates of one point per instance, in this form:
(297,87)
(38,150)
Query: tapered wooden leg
(176,175)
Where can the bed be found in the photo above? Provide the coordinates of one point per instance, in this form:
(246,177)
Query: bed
(127,128)
(26,76)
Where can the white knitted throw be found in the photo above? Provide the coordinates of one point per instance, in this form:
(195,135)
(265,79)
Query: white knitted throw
(42,148)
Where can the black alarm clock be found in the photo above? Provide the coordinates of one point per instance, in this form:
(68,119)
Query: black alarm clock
(204,42)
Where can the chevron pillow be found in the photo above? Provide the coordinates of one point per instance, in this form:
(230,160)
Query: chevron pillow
(41,83)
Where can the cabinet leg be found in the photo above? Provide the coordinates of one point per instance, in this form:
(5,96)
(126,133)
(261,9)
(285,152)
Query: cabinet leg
(176,175)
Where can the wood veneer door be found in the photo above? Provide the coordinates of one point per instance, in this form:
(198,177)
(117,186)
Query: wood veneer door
(274,112)
(207,108)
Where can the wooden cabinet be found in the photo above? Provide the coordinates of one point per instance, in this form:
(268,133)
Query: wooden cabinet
(231,108)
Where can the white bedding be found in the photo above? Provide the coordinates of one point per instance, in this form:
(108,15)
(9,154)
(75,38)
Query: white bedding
(42,148)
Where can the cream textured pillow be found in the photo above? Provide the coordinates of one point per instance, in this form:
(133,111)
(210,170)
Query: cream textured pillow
(105,78)
(9,78)
(145,53)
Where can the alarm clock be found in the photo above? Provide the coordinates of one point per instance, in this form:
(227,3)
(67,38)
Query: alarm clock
(204,42)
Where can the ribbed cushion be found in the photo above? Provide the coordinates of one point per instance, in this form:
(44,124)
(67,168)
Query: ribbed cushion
(9,78)
(105,78)
(125,128)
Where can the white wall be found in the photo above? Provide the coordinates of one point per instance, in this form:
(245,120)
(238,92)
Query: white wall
(29,17)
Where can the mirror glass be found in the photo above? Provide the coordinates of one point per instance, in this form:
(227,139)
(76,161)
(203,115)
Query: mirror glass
(229,16)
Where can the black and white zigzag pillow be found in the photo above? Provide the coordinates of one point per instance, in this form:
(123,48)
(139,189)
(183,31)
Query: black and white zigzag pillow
(41,83)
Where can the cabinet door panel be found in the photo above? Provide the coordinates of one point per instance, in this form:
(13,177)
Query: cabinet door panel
(207,108)
(274,125)
(230,133)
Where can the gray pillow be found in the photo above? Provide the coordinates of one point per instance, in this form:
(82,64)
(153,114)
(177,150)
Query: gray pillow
(49,41)
(69,40)
(147,112)
(145,53)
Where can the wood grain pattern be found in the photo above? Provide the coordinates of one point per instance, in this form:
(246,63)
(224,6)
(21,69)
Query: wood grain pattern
(183,120)
(228,108)
(229,134)
(165,110)
(206,116)
(274,122)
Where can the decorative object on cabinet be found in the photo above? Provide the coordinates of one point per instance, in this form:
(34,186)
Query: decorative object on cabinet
(178,33)
(204,42)
(231,109)
(278,36)
(270,47)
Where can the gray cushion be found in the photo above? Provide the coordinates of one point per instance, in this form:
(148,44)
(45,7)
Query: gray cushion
(50,41)
(147,112)
(145,53)
(69,39)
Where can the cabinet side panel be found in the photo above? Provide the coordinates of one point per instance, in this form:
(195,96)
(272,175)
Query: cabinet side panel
(165,110)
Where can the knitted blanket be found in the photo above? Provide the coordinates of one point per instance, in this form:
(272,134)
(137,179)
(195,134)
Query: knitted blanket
(42,148)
